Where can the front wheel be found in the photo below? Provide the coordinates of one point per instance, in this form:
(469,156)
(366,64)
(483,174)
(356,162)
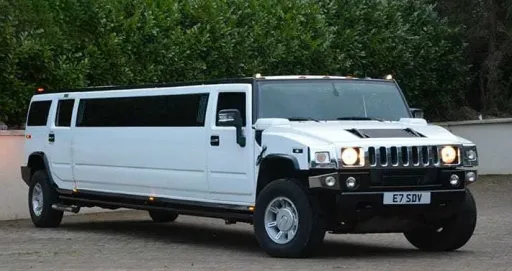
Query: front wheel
(452,234)
(41,197)
(287,222)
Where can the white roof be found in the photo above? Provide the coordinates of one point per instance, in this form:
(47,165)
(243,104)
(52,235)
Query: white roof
(257,76)
(304,77)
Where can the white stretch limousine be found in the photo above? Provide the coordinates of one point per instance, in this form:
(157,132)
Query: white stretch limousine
(296,156)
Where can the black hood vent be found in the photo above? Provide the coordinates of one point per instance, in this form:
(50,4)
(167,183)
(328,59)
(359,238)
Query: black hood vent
(385,133)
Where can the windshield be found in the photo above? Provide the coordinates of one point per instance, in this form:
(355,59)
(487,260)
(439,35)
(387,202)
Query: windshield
(331,100)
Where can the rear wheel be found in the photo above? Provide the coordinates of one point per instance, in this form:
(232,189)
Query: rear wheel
(41,197)
(452,233)
(287,221)
(163,216)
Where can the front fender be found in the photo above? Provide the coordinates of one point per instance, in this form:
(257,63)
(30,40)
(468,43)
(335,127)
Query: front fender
(36,161)
(277,146)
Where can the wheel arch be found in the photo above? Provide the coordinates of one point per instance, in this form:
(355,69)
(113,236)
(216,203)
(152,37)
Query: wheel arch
(37,161)
(278,166)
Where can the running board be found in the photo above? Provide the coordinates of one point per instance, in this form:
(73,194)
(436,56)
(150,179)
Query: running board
(66,208)
(202,211)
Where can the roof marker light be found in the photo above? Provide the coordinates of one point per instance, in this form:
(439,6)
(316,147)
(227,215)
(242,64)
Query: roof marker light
(40,90)
(389,77)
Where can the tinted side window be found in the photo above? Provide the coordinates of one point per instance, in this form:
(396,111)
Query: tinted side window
(232,100)
(38,113)
(64,112)
(182,110)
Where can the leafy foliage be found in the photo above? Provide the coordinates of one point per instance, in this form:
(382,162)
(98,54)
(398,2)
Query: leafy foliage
(487,28)
(407,39)
(69,43)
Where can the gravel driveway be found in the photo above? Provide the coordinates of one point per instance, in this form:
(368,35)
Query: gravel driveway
(128,240)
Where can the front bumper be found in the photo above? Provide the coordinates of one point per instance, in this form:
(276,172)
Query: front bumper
(362,209)
(363,205)
(367,213)
(382,180)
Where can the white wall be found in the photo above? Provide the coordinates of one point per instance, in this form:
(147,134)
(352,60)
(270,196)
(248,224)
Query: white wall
(493,140)
(13,191)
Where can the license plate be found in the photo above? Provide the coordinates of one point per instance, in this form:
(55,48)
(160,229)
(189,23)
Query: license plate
(407,198)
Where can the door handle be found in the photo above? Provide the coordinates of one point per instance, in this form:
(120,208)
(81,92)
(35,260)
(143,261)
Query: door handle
(51,137)
(214,140)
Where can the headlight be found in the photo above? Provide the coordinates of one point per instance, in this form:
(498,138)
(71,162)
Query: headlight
(470,156)
(352,157)
(448,155)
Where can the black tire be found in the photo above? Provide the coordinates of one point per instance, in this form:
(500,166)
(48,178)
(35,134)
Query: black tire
(47,217)
(162,216)
(455,232)
(310,232)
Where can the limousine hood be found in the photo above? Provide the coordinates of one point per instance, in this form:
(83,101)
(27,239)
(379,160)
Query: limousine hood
(365,133)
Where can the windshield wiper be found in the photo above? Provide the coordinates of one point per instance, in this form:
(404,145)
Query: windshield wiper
(359,118)
(302,119)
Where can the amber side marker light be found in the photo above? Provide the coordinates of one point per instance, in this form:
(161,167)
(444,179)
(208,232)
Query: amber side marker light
(251,208)
(28,136)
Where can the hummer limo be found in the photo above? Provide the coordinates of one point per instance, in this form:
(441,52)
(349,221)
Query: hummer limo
(295,156)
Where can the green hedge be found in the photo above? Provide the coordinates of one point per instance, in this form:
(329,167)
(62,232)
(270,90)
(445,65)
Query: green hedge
(76,43)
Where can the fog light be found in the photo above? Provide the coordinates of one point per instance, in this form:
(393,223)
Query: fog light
(470,176)
(351,183)
(330,181)
(454,180)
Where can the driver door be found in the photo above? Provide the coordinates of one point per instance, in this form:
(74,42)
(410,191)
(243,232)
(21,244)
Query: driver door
(230,165)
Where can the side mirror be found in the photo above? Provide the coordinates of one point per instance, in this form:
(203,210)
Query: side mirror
(229,118)
(232,118)
(417,113)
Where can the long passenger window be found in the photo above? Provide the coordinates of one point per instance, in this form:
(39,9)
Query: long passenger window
(38,113)
(232,100)
(180,110)
(64,113)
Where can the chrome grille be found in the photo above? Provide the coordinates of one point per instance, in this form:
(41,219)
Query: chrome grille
(404,156)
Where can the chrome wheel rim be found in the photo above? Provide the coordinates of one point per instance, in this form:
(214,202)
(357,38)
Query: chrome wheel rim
(281,220)
(37,199)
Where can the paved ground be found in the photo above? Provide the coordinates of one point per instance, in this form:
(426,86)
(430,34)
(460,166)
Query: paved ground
(129,240)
